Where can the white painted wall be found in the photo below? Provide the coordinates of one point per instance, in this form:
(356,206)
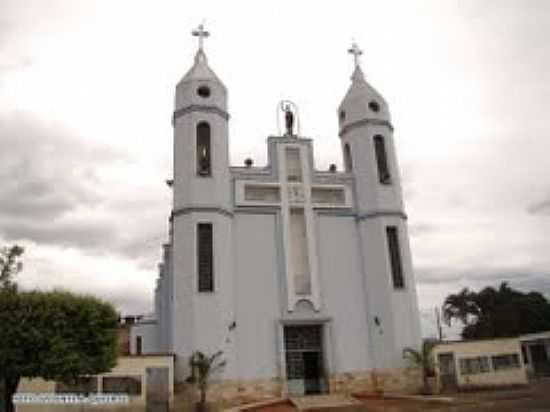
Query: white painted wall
(490,347)
(257,295)
(343,292)
(149,337)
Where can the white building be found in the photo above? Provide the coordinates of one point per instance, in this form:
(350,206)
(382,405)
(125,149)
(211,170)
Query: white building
(479,363)
(302,277)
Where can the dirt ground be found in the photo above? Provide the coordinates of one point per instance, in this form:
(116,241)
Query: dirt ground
(534,398)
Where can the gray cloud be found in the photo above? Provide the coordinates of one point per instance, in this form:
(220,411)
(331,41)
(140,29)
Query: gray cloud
(539,208)
(52,193)
(85,235)
(483,277)
(46,172)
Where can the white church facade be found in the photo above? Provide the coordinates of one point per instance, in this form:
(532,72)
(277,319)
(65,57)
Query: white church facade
(303,278)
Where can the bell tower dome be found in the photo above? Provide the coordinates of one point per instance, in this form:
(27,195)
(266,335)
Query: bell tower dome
(201,87)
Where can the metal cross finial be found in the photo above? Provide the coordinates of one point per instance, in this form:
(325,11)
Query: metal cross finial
(201,34)
(356,51)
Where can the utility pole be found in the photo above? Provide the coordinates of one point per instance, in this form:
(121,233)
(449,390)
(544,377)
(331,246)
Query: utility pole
(438,321)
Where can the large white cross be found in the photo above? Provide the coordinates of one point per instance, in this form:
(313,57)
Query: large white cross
(295,191)
(356,51)
(201,34)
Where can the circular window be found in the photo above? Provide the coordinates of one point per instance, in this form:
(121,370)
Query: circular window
(374,106)
(342,116)
(203,91)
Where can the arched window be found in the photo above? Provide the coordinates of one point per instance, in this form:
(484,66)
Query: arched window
(381,160)
(203,150)
(348,164)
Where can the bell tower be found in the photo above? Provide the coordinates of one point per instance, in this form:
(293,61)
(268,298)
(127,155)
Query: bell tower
(202,214)
(201,153)
(366,135)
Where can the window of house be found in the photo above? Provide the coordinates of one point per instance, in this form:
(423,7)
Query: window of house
(205,266)
(82,385)
(203,149)
(138,345)
(505,361)
(381,160)
(474,365)
(130,385)
(395,257)
(348,165)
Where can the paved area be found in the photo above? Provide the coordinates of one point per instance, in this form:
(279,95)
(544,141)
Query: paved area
(535,398)
(310,402)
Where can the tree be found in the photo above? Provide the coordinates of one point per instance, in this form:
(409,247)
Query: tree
(55,336)
(202,367)
(422,359)
(10,264)
(502,312)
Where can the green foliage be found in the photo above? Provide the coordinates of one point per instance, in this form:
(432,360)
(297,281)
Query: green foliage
(55,335)
(421,358)
(502,312)
(10,265)
(202,367)
(424,360)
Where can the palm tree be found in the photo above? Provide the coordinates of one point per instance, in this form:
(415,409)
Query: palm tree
(497,312)
(460,306)
(202,368)
(422,359)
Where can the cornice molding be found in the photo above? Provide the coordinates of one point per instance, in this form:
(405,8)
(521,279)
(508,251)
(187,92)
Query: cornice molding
(199,209)
(364,122)
(198,108)
(382,213)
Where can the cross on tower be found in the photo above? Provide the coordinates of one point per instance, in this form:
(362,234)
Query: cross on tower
(201,34)
(356,51)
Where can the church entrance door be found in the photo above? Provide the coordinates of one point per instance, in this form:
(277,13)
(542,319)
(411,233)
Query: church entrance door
(304,359)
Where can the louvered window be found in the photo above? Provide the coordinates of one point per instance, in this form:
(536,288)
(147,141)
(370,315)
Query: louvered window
(381,160)
(203,150)
(395,257)
(205,266)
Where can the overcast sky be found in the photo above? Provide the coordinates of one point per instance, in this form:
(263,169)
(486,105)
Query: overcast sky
(86,95)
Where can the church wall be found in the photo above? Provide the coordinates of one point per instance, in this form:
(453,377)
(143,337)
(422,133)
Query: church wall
(257,295)
(378,293)
(405,304)
(202,319)
(343,296)
(396,309)
(183,290)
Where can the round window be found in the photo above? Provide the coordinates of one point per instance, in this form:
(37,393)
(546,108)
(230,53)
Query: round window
(374,106)
(203,91)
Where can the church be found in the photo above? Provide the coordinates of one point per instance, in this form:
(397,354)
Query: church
(302,277)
